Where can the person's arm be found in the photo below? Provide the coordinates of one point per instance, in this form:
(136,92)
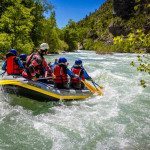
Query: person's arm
(46,66)
(86,76)
(70,73)
(19,62)
(4,66)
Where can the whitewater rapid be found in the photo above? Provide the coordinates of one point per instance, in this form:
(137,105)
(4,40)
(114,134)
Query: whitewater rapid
(119,120)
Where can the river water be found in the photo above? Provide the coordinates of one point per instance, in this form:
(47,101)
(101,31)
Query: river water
(119,120)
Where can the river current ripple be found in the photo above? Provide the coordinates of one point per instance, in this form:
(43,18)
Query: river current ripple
(119,120)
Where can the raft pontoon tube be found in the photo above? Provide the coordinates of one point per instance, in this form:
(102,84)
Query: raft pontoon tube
(39,90)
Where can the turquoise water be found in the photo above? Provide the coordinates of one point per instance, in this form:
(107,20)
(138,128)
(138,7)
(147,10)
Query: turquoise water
(119,120)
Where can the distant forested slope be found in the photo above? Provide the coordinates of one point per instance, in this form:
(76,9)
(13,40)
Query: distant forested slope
(98,30)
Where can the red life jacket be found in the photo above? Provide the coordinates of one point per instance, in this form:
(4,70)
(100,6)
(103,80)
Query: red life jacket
(28,61)
(60,75)
(38,66)
(12,66)
(77,71)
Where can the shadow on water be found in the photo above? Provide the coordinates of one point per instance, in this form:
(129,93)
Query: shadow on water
(37,107)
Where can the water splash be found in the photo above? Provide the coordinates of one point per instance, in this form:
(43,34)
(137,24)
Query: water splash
(118,120)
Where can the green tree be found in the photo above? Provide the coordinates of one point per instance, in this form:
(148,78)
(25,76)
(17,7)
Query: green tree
(71,36)
(51,34)
(16,22)
(39,8)
(82,33)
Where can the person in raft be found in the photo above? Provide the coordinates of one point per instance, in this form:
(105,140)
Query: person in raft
(23,58)
(12,64)
(79,70)
(54,64)
(61,73)
(36,65)
(50,74)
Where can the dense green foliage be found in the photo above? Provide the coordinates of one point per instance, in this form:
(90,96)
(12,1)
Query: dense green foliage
(109,29)
(14,27)
(133,42)
(24,27)
(52,35)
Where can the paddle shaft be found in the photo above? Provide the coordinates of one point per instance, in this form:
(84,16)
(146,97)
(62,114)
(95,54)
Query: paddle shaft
(89,86)
(98,89)
(96,84)
(45,78)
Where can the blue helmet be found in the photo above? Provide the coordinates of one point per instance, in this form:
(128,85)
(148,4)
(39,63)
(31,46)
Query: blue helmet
(23,56)
(62,60)
(78,62)
(13,51)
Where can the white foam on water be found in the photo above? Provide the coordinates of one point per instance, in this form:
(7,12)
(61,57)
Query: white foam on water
(99,122)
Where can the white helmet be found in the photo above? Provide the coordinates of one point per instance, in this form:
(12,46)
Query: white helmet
(44,46)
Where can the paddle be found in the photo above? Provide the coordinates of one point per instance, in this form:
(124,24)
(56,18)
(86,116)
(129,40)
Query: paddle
(47,80)
(99,89)
(91,88)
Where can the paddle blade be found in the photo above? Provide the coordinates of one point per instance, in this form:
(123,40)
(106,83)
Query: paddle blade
(98,88)
(92,88)
(99,91)
(89,86)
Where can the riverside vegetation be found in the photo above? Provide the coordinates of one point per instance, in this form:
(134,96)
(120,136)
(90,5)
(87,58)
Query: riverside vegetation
(118,26)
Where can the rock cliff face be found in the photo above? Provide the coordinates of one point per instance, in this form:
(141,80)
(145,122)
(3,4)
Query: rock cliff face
(123,8)
(117,30)
(129,14)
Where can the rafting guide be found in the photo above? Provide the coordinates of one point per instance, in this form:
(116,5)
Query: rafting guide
(36,65)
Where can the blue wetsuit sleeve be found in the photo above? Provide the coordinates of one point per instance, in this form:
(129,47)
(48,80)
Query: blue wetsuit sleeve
(52,66)
(70,73)
(86,76)
(20,63)
(4,66)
